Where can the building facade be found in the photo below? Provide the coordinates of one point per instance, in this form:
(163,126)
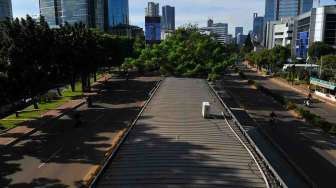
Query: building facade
(220,30)
(239,30)
(6,9)
(117,13)
(258,28)
(153,29)
(270,10)
(279,33)
(101,14)
(210,23)
(277,9)
(240,39)
(153,9)
(317,25)
(168,18)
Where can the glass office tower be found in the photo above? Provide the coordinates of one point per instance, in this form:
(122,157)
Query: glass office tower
(75,11)
(270,10)
(239,30)
(306,6)
(118,12)
(88,12)
(168,18)
(5,9)
(51,10)
(288,8)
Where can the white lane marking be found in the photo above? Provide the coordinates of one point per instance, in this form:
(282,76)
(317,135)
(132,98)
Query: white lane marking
(52,156)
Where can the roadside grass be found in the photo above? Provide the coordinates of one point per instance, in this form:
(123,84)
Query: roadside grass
(29,113)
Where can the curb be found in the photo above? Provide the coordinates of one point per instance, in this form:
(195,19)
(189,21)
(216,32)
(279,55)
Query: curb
(118,140)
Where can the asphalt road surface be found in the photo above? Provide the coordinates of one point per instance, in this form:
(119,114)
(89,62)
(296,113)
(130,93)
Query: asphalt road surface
(288,132)
(60,155)
(171,145)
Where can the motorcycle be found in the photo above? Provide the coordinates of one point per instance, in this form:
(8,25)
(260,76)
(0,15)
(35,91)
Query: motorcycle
(307,103)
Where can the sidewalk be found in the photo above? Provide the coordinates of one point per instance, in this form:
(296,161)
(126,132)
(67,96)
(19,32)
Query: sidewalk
(13,135)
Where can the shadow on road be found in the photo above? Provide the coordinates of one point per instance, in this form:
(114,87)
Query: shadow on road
(68,150)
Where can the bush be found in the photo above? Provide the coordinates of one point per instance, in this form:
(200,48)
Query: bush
(213,77)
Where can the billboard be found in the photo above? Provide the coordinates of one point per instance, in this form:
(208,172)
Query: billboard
(153,29)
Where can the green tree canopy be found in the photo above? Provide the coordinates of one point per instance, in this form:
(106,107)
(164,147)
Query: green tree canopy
(319,49)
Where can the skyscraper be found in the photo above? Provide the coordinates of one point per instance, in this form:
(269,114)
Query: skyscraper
(239,30)
(306,5)
(270,10)
(210,23)
(152,9)
(277,9)
(118,12)
(220,30)
(168,18)
(59,12)
(152,23)
(5,9)
(102,14)
(258,27)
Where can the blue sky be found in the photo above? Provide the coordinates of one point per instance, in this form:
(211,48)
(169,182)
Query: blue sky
(234,12)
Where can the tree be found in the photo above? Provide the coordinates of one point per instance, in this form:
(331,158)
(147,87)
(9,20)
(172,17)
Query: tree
(319,49)
(186,53)
(329,67)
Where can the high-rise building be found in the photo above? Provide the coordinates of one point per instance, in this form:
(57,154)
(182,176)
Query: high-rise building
(5,9)
(152,23)
(240,39)
(220,30)
(258,28)
(118,13)
(279,33)
(270,10)
(59,12)
(306,5)
(317,25)
(51,10)
(239,30)
(210,23)
(153,9)
(168,18)
(277,9)
(102,14)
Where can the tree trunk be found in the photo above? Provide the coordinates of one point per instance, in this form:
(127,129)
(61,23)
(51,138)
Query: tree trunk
(59,92)
(35,103)
(73,83)
(95,76)
(83,83)
(88,83)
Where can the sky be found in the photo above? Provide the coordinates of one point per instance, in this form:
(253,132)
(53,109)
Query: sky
(234,12)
